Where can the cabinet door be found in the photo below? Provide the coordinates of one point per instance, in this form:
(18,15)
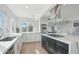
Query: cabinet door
(61,48)
(44,42)
(48,44)
(51,45)
(18,45)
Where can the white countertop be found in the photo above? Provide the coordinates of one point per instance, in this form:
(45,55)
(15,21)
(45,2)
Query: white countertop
(66,39)
(30,32)
(6,45)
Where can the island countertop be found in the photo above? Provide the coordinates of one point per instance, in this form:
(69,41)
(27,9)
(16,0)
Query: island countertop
(6,45)
(71,40)
(66,39)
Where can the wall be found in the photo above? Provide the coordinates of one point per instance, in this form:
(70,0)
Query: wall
(64,27)
(69,11)
(30,36)
(44,20)
(34,22)
(9,14)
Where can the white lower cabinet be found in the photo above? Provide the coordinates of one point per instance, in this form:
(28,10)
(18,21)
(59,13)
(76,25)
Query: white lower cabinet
(18,45)
(17,48)
(32,37)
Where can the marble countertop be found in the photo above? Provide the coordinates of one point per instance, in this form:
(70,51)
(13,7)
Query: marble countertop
(66,39)
(6,45)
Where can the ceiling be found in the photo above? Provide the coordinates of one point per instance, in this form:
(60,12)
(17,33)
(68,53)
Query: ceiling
(31,10)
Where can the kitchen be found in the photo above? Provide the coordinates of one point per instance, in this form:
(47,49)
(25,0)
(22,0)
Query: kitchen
(52,28)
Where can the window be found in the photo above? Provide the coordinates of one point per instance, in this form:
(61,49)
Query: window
(30,28)
(24,26)
(2,14)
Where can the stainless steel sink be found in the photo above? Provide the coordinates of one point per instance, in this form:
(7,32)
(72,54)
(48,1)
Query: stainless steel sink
(7,39)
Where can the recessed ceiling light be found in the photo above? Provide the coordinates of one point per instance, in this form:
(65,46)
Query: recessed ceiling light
(26,6)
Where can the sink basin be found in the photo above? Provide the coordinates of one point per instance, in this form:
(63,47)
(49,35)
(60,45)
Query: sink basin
(55,35)
(7,39)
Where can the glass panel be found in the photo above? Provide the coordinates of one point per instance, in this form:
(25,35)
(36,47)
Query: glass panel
(1,20)
(23,26)
(30,28)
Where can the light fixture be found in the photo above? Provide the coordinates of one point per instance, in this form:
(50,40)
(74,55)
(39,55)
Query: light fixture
(26,6)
